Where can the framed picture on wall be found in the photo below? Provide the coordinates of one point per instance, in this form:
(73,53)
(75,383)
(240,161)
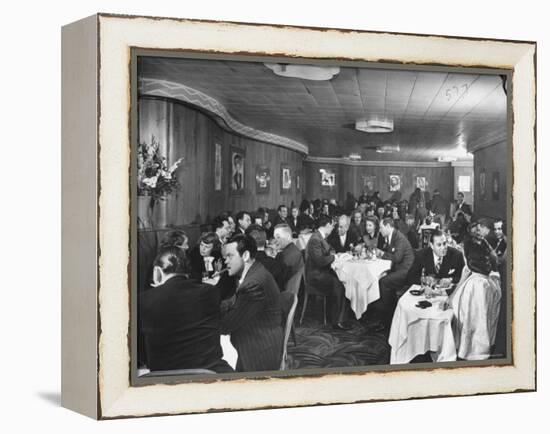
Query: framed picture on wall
(482,184)
(328,178)
(496,186)
(237,180)
(421,183)
(394,182)
(217,166)
(123,368)
(263,179)
(286,179)
(369,183)
(298,180)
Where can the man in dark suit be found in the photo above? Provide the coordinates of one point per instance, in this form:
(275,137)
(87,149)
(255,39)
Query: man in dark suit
(180,318)
(253,318)
(319,272)
(342,239)
(289,255)
(437,260)
(294,221)
(397,249)
(243,221)
(282,215)
(273,266)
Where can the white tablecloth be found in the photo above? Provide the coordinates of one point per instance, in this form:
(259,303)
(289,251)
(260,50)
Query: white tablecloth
(360,279)
(415,331)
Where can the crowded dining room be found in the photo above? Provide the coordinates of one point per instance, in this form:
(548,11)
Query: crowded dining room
(295,215)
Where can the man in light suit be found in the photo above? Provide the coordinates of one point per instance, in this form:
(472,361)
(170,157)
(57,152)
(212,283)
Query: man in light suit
(319,272)
(397,249)
(253,317)
(437,260)
(342,239)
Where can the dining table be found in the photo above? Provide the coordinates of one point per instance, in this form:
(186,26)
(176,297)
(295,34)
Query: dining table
(360,277)
(416,330)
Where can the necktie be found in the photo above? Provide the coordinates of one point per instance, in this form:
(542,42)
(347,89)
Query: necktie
(438,264)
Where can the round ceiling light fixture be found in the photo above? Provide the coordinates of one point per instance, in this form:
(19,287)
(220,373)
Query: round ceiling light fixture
(305,72)
(374,126)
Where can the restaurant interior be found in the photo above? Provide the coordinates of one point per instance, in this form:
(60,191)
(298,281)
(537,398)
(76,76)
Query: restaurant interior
(323,133)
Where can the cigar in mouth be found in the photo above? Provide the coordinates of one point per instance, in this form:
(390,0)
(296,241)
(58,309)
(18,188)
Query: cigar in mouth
(218,273)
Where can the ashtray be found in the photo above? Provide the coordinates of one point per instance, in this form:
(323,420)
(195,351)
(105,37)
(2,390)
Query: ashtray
(416,292)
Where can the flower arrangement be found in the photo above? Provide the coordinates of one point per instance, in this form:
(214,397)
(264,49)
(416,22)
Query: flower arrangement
(155,178)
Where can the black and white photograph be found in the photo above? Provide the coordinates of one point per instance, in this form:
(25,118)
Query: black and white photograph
(356,275)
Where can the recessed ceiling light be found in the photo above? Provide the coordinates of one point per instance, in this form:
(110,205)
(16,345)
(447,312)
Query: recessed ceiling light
(388,149)
(374,126)
(306,72)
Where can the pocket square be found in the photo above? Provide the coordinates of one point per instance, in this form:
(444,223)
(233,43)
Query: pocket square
(451,271)
(393,249)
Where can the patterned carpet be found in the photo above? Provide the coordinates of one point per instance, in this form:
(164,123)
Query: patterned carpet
(320,346)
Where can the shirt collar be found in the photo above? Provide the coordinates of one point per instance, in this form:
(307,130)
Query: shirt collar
(247,266)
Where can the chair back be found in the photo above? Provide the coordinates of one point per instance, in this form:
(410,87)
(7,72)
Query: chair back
(289,301)
(425,240)
(293,284)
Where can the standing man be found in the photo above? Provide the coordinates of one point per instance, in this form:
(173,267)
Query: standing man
(398,250)
(438,260)
(460,205)
(439,207)
(273,266)
(320,274)
(253,317)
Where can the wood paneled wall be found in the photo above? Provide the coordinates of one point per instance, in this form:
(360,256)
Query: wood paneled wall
(350,178)
(189,133)
(491,160)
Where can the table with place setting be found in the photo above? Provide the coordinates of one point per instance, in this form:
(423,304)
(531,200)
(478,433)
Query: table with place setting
(360,278)
(422,323)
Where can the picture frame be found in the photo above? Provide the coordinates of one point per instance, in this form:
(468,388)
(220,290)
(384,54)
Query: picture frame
(237,183)
(263,179)
(421,183)
(328,178)
(286,178)
(369,183)
(97,204)
(495,186)
(394,182)
(218,171)
(483,184)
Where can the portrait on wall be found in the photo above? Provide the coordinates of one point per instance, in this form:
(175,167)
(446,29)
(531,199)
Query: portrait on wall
(328,178)
(369,183)
(496,185)
(298,180)
(395,182)
(286,180)
(237,170)
(482,184)
(263,179)
(217,167)
(421,183)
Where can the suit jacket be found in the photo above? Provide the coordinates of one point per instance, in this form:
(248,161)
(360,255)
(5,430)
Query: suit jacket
(180,321)
(291,259)
(279,221)
(401,255)
(273,266)
(197,261)
(334,241)
(318,260)
(294,225)
(464,207)
(254,321)
(305,221)
(451,266)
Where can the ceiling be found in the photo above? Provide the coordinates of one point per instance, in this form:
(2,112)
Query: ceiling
(434,113)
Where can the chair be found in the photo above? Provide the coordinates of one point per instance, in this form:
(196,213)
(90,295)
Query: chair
(310,290)
(425,237)
(293,286)
(289,301)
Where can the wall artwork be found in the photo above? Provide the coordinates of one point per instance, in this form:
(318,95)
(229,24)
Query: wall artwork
(286,179)
(496,185)
(395,182)
(217,167)
(328,178)
(237,170)
(421,183)
(369,183)
(482,184)
(263,179)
